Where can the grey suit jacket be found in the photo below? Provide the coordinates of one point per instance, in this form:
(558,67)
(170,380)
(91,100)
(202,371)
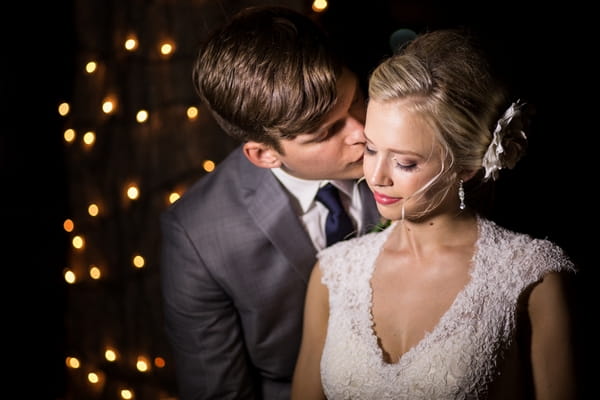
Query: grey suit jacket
(234,269)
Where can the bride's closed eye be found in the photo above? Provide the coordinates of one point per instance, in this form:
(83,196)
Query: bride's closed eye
(408,166)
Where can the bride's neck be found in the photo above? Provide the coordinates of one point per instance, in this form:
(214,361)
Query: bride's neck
(441,230)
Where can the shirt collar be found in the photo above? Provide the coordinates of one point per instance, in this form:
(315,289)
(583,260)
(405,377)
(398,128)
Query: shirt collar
(305,190)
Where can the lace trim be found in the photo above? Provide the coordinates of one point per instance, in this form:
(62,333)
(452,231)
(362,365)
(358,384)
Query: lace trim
(467,340)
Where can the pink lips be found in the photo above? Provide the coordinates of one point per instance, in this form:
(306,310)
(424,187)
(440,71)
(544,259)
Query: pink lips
(385,200)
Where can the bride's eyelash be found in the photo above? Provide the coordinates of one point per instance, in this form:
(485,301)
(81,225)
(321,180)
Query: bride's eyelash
(408,168)
(405,167)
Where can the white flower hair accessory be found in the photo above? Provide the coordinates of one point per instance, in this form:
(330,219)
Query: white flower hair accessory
(497,155)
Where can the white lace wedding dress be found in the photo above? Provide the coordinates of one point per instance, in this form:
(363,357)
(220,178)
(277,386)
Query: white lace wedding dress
(463,354)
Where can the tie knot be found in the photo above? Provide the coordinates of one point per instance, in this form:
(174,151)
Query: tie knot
(338,225)
(330,197)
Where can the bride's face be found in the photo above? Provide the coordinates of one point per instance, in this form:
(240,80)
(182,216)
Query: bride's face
(401,158)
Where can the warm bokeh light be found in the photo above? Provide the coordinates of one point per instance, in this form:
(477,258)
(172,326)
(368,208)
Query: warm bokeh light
(95,272)
(131,43)
(69,276)
(90,67)
(173,197)
(93,377)
(63,109)
(208,165)
(126,394)
(68,225)
(110,354)
(141,116)
(132,191)
(69,135)
(72,362)
(142,364)
(93,210)
(108,105)
(159,362)
(192,113)
(138,261)
(319,5)
(89,138)
(167,48)
(78,242)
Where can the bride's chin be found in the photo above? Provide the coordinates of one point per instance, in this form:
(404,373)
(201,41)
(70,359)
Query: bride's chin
(390,215)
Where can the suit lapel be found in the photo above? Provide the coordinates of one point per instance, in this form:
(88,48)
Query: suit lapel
(270,207)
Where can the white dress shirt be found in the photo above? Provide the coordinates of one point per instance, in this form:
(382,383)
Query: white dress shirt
(312,213)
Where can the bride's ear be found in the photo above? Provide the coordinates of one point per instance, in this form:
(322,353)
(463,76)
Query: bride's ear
(261,155)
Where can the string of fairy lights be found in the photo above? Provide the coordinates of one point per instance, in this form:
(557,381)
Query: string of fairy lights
(89,264)
(131,190)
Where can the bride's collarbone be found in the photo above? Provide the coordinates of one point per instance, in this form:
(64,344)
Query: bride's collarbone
(409,301)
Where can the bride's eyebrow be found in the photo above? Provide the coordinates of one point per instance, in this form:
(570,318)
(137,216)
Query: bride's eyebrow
(401,152)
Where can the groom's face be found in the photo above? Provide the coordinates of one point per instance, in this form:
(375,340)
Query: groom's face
(335,150)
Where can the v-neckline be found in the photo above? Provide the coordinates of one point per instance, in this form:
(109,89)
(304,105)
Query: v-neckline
(408,355)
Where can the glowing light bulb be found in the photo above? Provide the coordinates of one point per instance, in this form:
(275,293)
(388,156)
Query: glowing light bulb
(63,109)
(208,165)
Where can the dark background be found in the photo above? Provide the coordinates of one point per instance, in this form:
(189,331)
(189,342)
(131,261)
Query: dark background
(544,52)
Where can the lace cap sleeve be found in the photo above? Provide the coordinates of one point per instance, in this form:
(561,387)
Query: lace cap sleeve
(349,258)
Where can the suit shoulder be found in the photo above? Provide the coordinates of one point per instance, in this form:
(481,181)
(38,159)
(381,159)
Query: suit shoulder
(210,193)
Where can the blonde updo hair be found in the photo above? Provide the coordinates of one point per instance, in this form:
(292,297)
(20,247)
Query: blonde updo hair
(445,77)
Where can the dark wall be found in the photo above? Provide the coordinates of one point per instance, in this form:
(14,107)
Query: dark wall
(37,69)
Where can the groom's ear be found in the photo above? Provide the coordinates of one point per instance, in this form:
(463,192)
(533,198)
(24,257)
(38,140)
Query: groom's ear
(261,155)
